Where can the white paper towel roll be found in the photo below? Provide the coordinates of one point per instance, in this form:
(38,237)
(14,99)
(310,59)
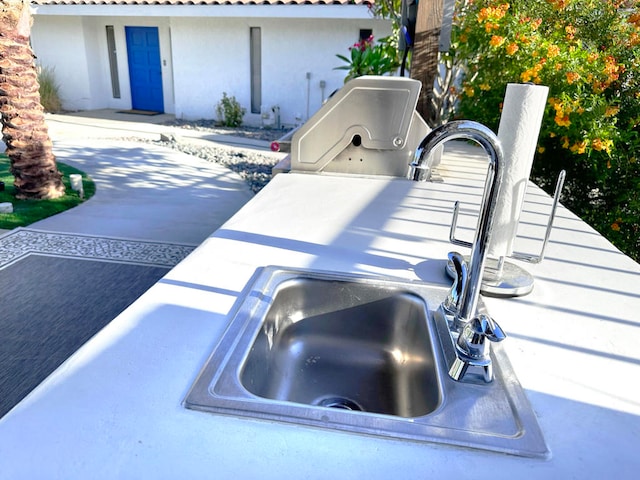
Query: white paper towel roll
(518,132)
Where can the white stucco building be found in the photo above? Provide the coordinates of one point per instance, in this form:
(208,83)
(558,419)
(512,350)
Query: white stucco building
(179,56)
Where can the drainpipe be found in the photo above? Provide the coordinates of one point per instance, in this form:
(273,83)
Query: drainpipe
(308,92)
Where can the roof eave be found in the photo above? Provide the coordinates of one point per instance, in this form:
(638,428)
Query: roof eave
(335,11)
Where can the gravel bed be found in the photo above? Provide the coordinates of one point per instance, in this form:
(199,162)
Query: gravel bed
(268,134)
(253,166)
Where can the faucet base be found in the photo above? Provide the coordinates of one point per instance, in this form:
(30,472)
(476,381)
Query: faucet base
(513,281)
(459,368)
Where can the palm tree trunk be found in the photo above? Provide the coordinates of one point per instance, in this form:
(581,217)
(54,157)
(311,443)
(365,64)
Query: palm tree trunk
(24,130)
(424,60)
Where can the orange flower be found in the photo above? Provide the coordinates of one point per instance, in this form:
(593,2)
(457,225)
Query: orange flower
(522,38)
(485,87)
(579,147)
(501,10)
(491,26)
(512,48)
(570,30)
(496,41)
(602,145)
(553,51)
(565,142)
(483,14)
(572,77)
(611,68)
(562,120)
(615,226)
(634,19)
(611,111)
(596,144)
(592,57)
(560,4)
(532,74)
(493,13)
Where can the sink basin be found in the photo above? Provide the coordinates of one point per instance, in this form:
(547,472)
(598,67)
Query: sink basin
(345,345)
(359,354)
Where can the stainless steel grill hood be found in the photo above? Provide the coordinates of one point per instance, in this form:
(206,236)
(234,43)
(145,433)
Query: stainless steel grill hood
(368,127)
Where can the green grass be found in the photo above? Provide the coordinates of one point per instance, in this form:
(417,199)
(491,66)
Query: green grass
(25,212)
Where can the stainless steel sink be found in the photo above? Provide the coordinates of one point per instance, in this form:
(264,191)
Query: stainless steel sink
(360,354)
(347,345)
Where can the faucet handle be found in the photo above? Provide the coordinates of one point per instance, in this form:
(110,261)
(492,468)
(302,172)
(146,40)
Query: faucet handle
(472,340)
(451,304)
(473,348)
(492,330)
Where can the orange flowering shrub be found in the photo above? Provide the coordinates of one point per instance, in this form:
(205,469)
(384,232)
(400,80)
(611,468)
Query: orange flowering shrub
(588,53)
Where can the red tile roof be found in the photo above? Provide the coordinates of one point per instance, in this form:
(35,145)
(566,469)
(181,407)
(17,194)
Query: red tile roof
(201,2)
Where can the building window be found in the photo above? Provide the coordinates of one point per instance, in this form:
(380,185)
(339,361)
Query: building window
(255,57)
(365,33)
(113,62)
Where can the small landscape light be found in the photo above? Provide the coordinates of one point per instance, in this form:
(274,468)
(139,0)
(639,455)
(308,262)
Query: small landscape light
(76,184)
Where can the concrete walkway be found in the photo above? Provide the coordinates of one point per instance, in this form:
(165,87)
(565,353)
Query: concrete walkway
(109,123)
(144,191)
(152,206)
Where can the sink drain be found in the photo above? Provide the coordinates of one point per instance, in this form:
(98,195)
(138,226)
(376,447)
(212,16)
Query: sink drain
(341,403)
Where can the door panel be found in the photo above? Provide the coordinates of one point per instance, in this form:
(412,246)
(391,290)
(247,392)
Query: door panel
(145,70)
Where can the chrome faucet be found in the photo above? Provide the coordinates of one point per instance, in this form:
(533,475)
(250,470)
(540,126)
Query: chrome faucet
(470,330)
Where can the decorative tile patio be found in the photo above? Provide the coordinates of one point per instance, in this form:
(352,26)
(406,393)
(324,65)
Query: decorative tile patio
(21,242)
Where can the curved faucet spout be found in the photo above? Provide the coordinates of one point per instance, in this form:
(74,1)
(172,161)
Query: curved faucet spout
(482,135)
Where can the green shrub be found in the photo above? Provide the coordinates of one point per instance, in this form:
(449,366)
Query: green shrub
(588,53)
(369,58)
(49,90)
(229,111)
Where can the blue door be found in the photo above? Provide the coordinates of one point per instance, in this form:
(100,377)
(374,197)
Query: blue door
(145,71)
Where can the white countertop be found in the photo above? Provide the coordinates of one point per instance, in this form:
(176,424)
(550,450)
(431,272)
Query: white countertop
(114,409)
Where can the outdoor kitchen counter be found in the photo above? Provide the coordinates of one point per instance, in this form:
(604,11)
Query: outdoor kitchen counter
(114,410)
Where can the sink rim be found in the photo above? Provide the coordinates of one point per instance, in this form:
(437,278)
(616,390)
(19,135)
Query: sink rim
(217,389)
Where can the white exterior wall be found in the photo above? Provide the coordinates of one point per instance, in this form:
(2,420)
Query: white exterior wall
(211,56)
(77,48)
(293,49)
(59,42)
(202,57)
